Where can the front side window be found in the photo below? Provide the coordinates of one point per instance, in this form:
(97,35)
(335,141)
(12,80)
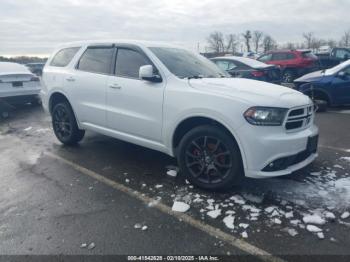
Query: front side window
(184,64)
(64,56)
(129,62)
(279,56)
(290,56)
(342,54)
(96,60)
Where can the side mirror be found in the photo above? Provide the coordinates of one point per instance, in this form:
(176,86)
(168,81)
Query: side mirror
(146,73)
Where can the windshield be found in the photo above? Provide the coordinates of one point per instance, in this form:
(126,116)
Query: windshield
(337,68)
(251,62)
(185,64)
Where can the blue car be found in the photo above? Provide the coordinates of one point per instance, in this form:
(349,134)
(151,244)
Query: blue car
(329,87)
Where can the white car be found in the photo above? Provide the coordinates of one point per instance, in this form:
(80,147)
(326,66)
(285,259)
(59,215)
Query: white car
(172,100)
(18,84)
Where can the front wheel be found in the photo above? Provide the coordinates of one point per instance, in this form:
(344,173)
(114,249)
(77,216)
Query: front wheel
(209,158)
(65,125)
(321,105)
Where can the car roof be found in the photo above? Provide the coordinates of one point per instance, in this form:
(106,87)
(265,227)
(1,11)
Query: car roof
(117,41)
(289,51)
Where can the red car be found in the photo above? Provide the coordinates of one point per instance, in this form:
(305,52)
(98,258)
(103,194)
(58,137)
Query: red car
(293,63)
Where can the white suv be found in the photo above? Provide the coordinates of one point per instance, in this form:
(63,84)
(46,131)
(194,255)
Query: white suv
(177,102)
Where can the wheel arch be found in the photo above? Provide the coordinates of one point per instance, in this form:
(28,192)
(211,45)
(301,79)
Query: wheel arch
(321,92)
(58,96)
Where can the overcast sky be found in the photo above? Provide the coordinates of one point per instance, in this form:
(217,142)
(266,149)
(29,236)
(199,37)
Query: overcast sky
(36,26)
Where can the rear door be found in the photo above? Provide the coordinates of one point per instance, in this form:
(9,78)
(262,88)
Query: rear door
(87,85)
(134,106)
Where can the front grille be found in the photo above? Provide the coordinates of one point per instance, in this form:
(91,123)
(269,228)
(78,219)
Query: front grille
(299,117)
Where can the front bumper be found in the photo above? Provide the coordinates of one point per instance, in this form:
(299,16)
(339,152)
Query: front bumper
(264,145)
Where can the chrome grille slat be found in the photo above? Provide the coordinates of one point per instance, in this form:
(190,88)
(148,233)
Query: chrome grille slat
(299,118)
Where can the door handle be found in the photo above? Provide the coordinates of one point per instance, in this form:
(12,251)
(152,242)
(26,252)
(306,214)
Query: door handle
(70,79)
(115,86)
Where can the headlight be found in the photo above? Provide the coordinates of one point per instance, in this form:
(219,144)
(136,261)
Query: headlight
(265,116)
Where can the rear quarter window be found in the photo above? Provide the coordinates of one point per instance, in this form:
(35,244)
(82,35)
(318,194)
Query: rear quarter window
(64,56)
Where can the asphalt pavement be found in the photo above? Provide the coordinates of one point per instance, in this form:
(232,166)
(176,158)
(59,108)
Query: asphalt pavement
(118,196)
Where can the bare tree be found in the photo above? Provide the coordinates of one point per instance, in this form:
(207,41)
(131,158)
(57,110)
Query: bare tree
(309,39)
(216,42)
(232,41)
(345,41)
(331,43)
(269,43)
(290,45)
(247,36)
(257,38)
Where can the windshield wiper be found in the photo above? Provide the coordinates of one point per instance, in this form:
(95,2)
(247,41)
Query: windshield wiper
(194,77)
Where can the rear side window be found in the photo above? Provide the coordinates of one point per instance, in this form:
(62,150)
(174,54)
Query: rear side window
(129,62)
(64,56)
(96,60)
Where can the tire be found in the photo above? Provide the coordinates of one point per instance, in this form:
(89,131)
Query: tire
(288,76)
(65,125)
(321,105)
(210,158)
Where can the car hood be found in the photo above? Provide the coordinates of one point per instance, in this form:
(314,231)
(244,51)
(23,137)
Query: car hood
(254,93)
(314,76)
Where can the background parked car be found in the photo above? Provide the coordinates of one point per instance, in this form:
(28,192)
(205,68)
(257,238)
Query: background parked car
(18,84)
(36,68)
(328,87)
(249,68)
(293,63)
(334,57)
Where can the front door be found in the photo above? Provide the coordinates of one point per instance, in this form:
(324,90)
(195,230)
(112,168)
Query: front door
(134,106)
(341,88)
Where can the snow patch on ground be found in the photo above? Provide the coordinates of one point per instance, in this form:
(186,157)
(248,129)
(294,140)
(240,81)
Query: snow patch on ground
(345,215)
(346,158)
(172,173)
(313,229)
(314,219)
(229,221)
(214,213)
(180,206)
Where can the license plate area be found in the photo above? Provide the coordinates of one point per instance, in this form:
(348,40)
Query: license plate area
(17,84)
(312,144)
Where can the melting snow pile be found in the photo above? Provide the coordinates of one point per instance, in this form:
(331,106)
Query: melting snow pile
(180,207)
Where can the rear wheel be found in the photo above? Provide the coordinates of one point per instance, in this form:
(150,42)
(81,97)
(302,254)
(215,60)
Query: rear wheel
(209,158)
(65,125)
